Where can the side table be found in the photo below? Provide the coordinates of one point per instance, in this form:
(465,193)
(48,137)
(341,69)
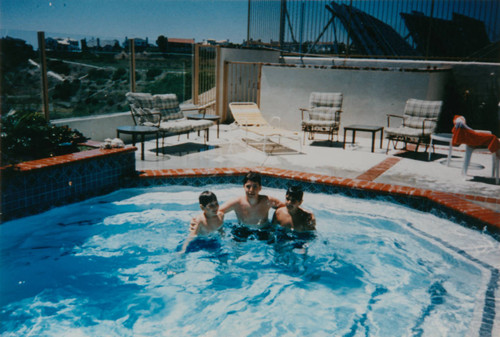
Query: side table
(213,118)
(140,130)
(365,128)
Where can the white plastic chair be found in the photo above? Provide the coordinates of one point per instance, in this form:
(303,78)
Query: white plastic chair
(494,161)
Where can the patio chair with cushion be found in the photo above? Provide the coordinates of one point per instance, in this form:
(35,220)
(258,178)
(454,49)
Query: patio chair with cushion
(419,121)
(248,116)
(323,114)
(173,119)
(164,112)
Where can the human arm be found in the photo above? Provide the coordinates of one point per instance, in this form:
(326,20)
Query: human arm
(194,229)
(311,223)
(275,202)
(229,206)
(274,221)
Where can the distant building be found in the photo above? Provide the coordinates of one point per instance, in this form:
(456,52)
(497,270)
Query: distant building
(139,44)
(260,44)
(176,45)
(212,42)
(104,45)
(62,44)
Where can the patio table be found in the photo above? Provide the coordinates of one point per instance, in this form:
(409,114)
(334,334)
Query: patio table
(365,128)
(140,130)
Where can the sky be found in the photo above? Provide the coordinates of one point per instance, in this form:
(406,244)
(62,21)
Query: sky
(117,19)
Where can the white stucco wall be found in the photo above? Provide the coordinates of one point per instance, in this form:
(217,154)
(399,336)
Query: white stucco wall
(368,94)
(98,127)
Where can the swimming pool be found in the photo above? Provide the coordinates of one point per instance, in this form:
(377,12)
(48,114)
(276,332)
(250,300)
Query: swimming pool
(110,266)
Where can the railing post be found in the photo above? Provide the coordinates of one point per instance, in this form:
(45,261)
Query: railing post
(218,81)
(282,24)
(348,44)
(248,21)
(224,91)
(132,64)
(196,73)
(43,71)
(429,32)
(259,77)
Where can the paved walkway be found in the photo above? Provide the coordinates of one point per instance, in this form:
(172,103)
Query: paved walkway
(405,168)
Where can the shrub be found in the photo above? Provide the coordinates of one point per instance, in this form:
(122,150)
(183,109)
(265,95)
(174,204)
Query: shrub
(152,73)
(28,136)
(119,73)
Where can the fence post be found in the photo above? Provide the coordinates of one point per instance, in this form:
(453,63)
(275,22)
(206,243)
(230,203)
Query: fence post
(248,22)
(224,91)
(196,73)
(282,24)
(132,64)
(43,71)
(429,32)
(218,81)
(259,78)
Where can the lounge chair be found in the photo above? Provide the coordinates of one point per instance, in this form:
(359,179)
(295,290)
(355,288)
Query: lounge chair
(164,112)
(323,114)
(248,117)
(419,121)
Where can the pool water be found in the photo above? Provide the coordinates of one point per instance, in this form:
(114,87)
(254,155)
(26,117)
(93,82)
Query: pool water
(111,266)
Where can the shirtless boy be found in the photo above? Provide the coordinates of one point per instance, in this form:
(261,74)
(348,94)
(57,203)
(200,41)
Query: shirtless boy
(252,209)
(292,216)
(210,220)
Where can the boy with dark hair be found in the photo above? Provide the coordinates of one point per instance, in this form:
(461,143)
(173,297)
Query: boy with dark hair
(252,209)
(210,220)
(292,216)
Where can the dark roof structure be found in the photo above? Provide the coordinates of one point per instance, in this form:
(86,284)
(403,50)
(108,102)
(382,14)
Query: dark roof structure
(369,35)
(460,37)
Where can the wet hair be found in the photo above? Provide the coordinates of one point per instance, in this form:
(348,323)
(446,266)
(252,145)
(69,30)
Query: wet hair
(207,197)
(252,176)
(295,193)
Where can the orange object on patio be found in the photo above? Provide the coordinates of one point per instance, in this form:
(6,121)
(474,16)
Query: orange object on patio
(462,134)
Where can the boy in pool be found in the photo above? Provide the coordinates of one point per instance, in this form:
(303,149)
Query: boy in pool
(292,216)
(210,220)
(252,209)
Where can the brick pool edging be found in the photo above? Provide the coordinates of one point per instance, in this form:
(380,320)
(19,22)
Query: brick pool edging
(454,202)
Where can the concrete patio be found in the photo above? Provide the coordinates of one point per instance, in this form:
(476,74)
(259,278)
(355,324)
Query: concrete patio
(356,161)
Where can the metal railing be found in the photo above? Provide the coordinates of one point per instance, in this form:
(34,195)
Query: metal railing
(205,76)
(444,29)
(65,83)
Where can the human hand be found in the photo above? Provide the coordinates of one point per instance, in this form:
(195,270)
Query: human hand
(193,225)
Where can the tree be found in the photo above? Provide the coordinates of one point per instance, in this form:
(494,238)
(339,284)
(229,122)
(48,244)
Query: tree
(162,43)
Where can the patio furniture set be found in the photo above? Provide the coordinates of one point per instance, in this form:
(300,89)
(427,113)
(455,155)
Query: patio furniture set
(161,115)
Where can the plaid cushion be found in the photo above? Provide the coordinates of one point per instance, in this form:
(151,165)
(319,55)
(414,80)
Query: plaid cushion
(324,114)
(168,106)
(416,111)
(326,99)
(406,132)
(144,116)
(319,124)
(140,100)
(176,126)
(198,125)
